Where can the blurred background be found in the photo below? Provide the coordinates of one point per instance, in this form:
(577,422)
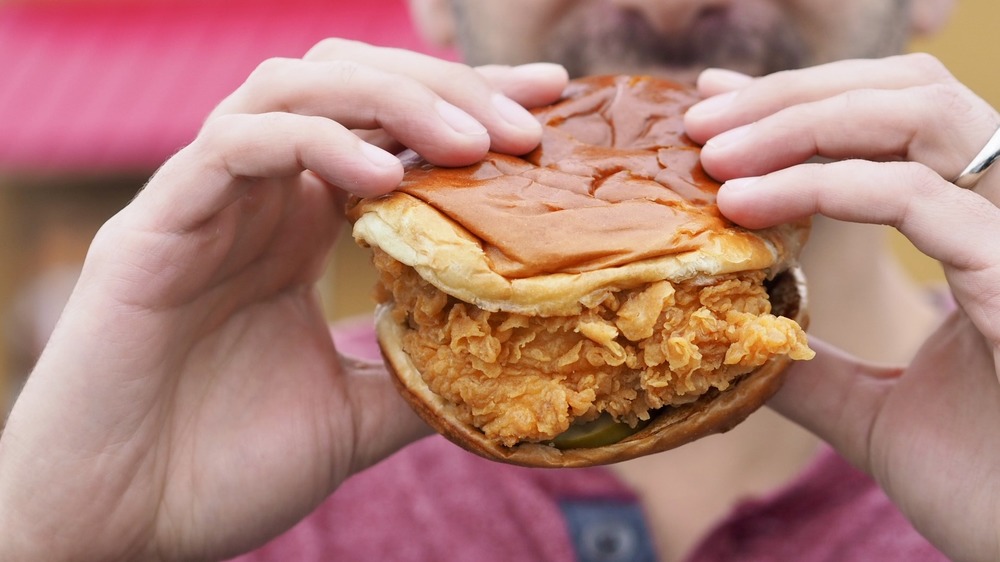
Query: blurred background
(95,94)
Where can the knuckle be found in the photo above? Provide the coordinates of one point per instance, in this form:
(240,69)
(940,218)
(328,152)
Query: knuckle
(927,182)
(344,72)
(271,67)
(916,176)
(212,130)
(268,73)
(218,134)
(928,65)
(252,95)
(946,99)
(333,48)
(922,181)
(909,182)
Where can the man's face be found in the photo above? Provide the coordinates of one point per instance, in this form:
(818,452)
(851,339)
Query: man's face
(679,37)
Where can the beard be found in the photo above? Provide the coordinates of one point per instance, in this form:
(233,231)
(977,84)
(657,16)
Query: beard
(596,41)
(756,37)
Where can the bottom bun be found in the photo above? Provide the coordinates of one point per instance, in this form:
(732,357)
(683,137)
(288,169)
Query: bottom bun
(714,412)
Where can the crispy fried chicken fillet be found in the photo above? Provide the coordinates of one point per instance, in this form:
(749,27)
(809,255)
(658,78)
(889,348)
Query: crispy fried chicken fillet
(590,283)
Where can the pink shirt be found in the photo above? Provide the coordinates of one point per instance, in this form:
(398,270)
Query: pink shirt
(434,501)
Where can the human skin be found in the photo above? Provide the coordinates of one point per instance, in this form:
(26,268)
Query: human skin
(679,38)
(924,431)
(193,363)
(191,403)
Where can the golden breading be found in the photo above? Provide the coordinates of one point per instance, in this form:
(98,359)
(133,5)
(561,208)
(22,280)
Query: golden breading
(527,378)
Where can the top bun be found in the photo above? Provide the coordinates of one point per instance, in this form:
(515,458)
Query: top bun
(614,197)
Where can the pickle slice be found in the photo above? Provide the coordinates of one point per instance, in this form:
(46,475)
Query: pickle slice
(596,433)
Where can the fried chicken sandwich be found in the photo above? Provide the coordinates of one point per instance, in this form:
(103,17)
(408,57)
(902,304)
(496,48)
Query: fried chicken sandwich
(585,303)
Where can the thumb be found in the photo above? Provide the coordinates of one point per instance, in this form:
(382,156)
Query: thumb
(383,421)
(837,397)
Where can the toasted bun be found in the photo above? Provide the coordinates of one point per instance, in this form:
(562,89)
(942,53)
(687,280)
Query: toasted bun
(613,199)
(715,412)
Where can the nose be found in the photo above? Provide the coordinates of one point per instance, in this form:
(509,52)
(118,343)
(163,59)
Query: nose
(672,15)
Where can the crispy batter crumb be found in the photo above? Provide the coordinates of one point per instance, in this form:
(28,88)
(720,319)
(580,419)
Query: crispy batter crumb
(527,378)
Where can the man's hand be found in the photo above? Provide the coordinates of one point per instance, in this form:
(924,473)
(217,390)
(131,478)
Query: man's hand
(893,133)
(191,403)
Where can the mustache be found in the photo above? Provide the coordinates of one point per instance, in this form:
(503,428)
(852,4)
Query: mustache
(629,41)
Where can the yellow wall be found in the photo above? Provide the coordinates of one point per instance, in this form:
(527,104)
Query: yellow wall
(967,46)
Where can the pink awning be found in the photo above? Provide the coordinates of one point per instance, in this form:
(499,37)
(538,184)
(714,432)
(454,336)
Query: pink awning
(98,86)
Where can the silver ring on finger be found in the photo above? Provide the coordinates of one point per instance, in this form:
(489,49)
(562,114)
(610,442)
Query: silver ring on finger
(980,164)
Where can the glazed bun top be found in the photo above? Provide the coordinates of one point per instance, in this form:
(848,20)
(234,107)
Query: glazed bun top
(612,198)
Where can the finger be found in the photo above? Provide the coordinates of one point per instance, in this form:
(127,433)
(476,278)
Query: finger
(203,178)
(955,226)
(350,81)
(379,138)
(769,94)
(938,217)
(837,398)
(531,85)
(936,125)
(363,97)
(383,421)
(716,81)
(910,429)
(512,129)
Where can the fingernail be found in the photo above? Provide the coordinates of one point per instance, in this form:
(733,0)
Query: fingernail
(728,138)
(377,156)
(712,105)
(723,79)
(513,113)
(459,120)
(540,70)
(739,184)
